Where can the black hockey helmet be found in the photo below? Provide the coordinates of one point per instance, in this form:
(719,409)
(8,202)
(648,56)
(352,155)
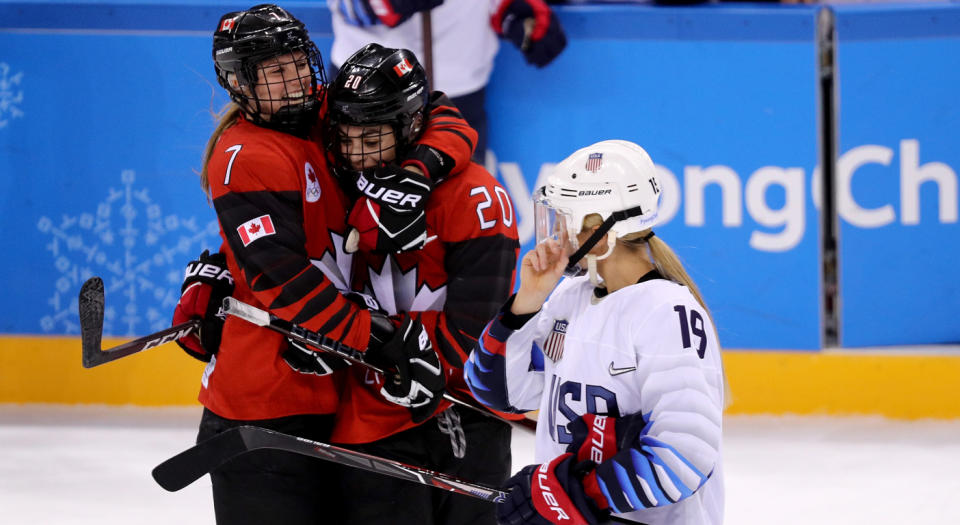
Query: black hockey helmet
(243,40)
(379,85)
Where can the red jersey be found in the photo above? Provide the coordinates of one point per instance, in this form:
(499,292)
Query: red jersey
(454,286)
(282,217)
(446,144)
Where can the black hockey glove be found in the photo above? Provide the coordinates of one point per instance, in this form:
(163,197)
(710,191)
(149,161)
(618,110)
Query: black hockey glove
(389,215)
(533,27)
(206,282)
(315,361)
(413,376)
(307,360)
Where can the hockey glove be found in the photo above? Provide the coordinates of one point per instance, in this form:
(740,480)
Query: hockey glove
(533,27)
(594,438)
(315,361)
(390,13)
(206,282)
(545,494)
(307,360)
(597,440)
(390,214)
(413,376)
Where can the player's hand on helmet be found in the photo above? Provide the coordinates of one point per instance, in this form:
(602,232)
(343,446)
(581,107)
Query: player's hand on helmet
(413,375)
(546,494)
(207,281)
(308,360)
(390,214)
(540,270)
(533,27)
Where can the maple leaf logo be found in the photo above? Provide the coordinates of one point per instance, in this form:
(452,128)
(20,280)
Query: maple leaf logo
(253,229)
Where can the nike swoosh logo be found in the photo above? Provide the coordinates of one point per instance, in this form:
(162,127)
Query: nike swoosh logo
(617,371)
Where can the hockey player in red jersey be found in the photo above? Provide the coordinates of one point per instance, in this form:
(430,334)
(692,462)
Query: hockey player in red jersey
(282,220)
(447,264)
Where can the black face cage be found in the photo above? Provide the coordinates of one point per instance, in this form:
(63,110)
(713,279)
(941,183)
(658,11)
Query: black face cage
(365,147)
(295,114)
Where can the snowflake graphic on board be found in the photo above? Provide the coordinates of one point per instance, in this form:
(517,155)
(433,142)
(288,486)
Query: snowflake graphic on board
(136,248)
(10,95)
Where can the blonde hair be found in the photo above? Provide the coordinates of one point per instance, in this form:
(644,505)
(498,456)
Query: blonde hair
(227,117)
(661,255)
(668,264)
(666,261)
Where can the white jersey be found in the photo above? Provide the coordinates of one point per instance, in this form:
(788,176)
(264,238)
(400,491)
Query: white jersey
(647,350)
(464,43)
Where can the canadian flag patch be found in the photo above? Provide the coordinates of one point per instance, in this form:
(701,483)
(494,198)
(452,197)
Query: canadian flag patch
(403,67)
(227,24)
(256,228)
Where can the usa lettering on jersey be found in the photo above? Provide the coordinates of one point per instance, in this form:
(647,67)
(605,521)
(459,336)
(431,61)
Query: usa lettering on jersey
(553,346)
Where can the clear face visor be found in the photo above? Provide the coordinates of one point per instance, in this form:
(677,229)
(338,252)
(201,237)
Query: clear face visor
(554,224)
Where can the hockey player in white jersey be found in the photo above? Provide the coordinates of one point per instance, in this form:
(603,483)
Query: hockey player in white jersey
(622,361)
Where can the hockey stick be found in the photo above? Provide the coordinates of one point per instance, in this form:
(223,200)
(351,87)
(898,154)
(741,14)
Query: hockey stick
(426,27)
(90,308)
(193,463)
(203,458)
(259,317)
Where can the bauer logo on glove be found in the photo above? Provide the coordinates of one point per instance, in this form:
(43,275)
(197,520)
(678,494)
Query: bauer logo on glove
(376,191)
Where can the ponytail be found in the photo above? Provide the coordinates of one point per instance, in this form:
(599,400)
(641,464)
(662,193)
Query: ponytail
(661,256)
(668,264)
(227,117)
(670,267)
(665,260)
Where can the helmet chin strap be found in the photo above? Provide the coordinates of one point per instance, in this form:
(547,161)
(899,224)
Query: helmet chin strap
(594,238)
(595,279)
(592,259)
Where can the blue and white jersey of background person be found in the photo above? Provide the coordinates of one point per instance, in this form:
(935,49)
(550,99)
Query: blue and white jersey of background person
(648,349)
(463,42)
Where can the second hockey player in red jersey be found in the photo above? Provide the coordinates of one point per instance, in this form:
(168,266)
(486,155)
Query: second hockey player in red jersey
(447,263)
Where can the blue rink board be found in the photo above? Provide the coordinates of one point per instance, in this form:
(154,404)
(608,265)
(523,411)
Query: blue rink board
(113,124)
(742,103)
(899,68)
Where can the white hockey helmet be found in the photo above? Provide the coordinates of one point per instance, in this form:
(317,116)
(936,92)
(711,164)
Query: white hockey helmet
(615,179)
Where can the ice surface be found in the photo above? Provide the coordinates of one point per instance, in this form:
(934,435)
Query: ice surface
(91,465)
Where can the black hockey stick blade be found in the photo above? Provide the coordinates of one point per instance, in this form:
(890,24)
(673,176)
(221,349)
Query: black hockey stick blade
(90,308)
(199,460)
(263,318)
(193,463)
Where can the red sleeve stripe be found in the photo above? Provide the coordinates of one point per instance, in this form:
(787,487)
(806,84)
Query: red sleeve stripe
(492,345)
(459,134)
